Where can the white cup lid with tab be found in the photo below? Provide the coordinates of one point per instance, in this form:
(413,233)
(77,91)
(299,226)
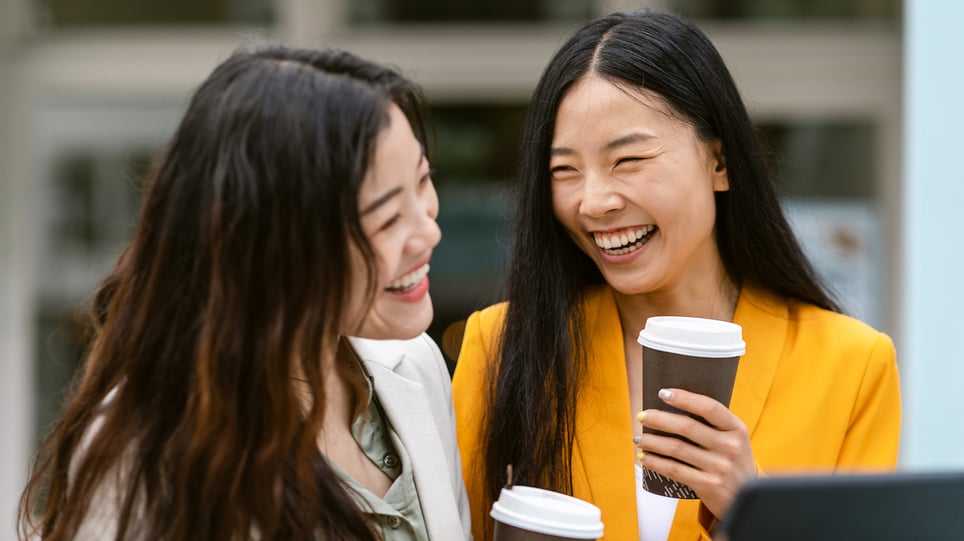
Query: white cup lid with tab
(547,512)
(693,336)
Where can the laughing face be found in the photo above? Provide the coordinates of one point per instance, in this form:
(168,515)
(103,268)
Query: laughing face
(398,206)
(634,187)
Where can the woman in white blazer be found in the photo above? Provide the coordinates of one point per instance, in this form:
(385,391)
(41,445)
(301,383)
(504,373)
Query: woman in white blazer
(259,368)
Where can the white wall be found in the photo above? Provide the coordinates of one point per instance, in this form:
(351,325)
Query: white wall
(932,350)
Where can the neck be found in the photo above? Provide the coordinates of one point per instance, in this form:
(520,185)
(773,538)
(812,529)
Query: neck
(340,385)
(712,299)
(343,387)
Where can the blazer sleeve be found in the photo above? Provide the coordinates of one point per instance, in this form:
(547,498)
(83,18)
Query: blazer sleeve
(874,436)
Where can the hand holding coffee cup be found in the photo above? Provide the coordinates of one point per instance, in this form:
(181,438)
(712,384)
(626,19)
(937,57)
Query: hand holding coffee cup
(692,354)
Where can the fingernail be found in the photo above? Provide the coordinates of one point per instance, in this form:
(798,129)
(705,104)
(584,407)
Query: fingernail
(639,416)
(666,394)
(640,455)
(636,438)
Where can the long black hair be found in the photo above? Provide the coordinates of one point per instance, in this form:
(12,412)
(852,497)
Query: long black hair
(235,284)
(532,392)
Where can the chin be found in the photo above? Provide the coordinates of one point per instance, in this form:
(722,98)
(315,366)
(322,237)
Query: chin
(629,288)
(401,325)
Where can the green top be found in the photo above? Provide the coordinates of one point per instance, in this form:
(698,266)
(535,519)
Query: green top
(398,513)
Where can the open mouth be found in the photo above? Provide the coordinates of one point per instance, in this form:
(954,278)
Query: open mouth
(624,241)
(408,282)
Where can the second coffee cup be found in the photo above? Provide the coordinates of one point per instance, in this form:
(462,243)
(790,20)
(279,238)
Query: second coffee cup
(694,354)
(534,514)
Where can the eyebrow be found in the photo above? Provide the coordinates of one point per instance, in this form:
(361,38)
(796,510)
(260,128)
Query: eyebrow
(387,196)
(629,139)
(614,144)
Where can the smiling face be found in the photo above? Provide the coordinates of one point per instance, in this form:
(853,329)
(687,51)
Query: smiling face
(634,187)
(398,206)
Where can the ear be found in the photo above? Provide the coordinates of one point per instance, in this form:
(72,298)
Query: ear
(721,180)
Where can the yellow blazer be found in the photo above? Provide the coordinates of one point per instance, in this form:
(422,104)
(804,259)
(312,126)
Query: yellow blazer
(818,391)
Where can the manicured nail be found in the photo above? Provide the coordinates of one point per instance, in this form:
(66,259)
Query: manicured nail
(639,416)
(636,438)
(640,455)
(666,394)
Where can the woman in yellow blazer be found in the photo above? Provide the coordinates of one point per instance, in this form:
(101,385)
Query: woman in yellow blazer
(643,193)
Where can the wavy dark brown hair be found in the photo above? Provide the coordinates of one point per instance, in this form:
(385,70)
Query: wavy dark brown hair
(532,395)
(234,284)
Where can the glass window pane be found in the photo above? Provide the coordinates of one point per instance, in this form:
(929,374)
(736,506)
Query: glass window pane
(92,203)
(827,169)
(475,142)
(62,336)
(474,156)
(469,11)
(81,13)
(830,159)
(784,9)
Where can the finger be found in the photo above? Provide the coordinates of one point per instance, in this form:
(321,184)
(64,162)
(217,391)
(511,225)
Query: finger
(680,425)
(712,487)
(674,469)
(683,451)
(715,413)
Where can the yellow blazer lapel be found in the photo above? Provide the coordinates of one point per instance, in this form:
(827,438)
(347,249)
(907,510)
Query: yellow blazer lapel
(604,429)
(764,319)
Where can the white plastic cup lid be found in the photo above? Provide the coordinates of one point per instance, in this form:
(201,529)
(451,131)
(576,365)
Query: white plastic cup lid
(547,512)
(693,336)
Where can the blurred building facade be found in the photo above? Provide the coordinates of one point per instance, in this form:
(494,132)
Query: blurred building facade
(90,89)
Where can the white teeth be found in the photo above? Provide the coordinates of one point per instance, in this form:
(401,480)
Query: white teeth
(409,280)
(624,242)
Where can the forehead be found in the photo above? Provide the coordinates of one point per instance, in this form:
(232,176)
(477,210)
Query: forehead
(598,102)
(396,154)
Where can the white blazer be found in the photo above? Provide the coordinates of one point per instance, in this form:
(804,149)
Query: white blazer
(415,391)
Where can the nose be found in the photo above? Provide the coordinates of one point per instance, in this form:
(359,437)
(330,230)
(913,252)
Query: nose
(600,197)
(429,232)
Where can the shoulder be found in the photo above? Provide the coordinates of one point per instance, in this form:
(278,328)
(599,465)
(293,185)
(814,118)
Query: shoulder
(813,339)
(489,318)
(820,336)
(481,335)
(834,329)
(804,322)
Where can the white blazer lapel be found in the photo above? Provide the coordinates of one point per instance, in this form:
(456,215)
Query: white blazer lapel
(407,404)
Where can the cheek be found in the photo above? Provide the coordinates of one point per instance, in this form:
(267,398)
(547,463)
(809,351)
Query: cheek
(561,205)
(388,255)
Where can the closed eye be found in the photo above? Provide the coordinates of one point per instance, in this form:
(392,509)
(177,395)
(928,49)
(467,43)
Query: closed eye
(391,221)
(561,169)
(629,159)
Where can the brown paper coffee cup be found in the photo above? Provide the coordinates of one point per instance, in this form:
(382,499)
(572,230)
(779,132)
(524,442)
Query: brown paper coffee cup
(533,514)
(694,354)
